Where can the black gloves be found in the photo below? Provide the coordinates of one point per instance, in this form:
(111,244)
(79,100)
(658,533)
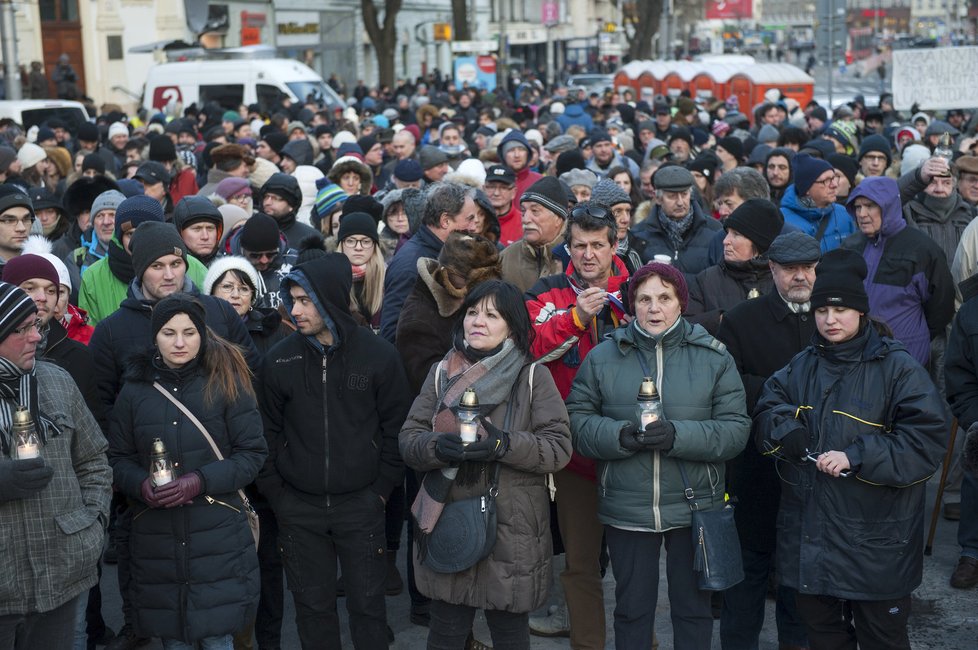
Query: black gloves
(658,436)
(449,448)
(492,447)
(795,444)
(20,479)
(628,437)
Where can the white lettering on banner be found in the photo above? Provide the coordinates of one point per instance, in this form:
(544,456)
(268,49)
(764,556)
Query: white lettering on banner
(935,79)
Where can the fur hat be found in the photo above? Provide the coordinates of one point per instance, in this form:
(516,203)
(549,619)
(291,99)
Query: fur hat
(227,152)
(351,164)
(472,257)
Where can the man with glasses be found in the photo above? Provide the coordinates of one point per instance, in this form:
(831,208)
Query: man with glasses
(65,485)
(571,312)
(16,219)
(500,187)
(264,246)
(874,156)
(809,203)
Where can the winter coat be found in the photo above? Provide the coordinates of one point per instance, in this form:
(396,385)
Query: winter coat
(184,183)
(961,365)
(617,161)
(692,257)
(762,336)
(401,275)
(575,114)
(944,227)
(560,343)
(52,540)
(194,567)
(806,219)
(702,396)
(523,264)
(294,230)
(516,576)
(128,332)
(102,292)
(857,538)
(331,415)
(724,286)
(272,276)
(77,359)
(266,328)
(909,284)
(424,330)
(524,179)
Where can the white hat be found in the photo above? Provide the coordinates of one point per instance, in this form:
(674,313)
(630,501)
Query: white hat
(222,265)
(532,135)
(471,168)
(556,108)
(40,246)
(118,128)
(342,138)
(913,157)
(30,154)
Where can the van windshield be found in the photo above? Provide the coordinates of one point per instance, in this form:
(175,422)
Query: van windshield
(317,91)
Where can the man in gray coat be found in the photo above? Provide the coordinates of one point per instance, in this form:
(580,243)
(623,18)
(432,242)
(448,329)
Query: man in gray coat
(54,490)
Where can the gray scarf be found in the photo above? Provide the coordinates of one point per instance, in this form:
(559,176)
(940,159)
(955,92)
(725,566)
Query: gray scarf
(676,229)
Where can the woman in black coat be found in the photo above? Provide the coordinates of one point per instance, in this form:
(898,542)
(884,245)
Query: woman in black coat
(193,562)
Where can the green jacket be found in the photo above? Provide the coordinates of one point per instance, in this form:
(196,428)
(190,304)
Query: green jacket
(702,396)
(101,292)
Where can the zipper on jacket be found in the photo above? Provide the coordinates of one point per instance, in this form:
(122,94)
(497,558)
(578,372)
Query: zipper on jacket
(211,500)
(325,429)
(656,455)
(706,556)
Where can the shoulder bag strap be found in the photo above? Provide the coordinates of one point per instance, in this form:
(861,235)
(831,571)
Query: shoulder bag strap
(193,418)
(823,225)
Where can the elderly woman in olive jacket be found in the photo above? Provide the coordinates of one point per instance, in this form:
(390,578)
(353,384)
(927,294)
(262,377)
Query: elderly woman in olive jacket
(640,481)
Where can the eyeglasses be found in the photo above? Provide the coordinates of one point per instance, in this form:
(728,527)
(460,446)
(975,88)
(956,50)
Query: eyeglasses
(834,180)
(230,289)
(350,242)
(593,211)
(10,222)
(25,330)
(257,257)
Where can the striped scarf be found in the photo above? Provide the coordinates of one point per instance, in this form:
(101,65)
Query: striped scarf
(18,387)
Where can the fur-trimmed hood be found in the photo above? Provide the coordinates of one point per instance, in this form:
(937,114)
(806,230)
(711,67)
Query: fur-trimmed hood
(352,164)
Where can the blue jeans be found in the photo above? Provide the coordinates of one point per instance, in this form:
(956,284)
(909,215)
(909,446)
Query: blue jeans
(968,526)
(743,607)
(210,643)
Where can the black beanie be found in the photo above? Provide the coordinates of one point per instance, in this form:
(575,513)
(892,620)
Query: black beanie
(151,241)
(879,144)
(734,146)
(570,160)
(361,203)
(357,223)
(547,192)
(181,303)
(161,149)
(259,233)
(276,140)
(758,220)
(846,165)
(839,281)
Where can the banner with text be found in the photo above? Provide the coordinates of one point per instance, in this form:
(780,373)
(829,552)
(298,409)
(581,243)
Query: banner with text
(935,79)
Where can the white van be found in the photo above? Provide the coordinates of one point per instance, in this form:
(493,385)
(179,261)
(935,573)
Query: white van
(232,82)
(31,112)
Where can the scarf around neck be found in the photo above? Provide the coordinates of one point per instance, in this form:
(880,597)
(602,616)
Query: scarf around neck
(18,387)
(676,229)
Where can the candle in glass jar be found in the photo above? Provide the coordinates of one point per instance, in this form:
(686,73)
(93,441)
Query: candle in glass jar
(469,431)
(648,417)
(28,450)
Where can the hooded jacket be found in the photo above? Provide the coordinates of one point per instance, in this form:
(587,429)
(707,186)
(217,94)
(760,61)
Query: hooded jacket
(702,396)
(526,176)
(856,538)
(332,415)
(943,220)
(807,219)
(909,283)
(575,114)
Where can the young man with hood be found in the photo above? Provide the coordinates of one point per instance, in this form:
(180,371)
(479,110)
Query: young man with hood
(605,156)
(333,397)
(280,199)
(909,283)
(200,225)
(809,203)
(106,283)
(515,152)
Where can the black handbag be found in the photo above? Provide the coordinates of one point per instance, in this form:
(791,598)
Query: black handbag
(465,532)
(716,558)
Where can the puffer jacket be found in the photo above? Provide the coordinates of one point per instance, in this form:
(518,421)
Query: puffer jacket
(702,396)
(807,219)
(194,567)
(52,540)
(693,256)
(724,286)
(857,538)
(908,283)
(515,577)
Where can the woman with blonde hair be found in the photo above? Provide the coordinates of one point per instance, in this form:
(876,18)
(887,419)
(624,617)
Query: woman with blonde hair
(358,240)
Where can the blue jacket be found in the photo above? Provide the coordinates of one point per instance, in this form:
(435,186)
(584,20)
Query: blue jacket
(807,219)
(575,114)
(401,276)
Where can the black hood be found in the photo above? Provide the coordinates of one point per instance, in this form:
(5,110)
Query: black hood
(328,280)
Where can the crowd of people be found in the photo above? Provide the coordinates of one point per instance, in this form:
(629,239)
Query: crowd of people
(345,320)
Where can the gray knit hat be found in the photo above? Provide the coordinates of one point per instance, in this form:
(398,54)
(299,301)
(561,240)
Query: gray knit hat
(608,194)
(109,200)
(151,241)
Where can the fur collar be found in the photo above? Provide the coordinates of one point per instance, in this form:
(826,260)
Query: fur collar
(428,272)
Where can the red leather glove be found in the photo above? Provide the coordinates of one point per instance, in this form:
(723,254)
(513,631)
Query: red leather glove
(149,494)
(180,491)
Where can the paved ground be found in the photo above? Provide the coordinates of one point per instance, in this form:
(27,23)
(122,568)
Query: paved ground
(943,618)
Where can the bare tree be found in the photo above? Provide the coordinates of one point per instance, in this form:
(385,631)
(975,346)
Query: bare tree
(460,21)
(641,20)
(383,37)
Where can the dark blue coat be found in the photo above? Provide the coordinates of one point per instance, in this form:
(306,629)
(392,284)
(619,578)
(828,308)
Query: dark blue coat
(401,275)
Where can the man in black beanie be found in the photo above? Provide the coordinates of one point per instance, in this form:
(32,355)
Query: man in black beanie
(263,245)
(280,199)
(16,219)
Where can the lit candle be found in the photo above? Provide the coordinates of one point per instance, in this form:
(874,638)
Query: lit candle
(469,431)
(28,450)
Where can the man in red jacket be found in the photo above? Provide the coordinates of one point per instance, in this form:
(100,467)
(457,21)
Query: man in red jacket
(571,313)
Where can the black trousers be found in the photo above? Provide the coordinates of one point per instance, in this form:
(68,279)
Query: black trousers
(271,602)
(837,624)
(315,533)
(53,629)
(451,625)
